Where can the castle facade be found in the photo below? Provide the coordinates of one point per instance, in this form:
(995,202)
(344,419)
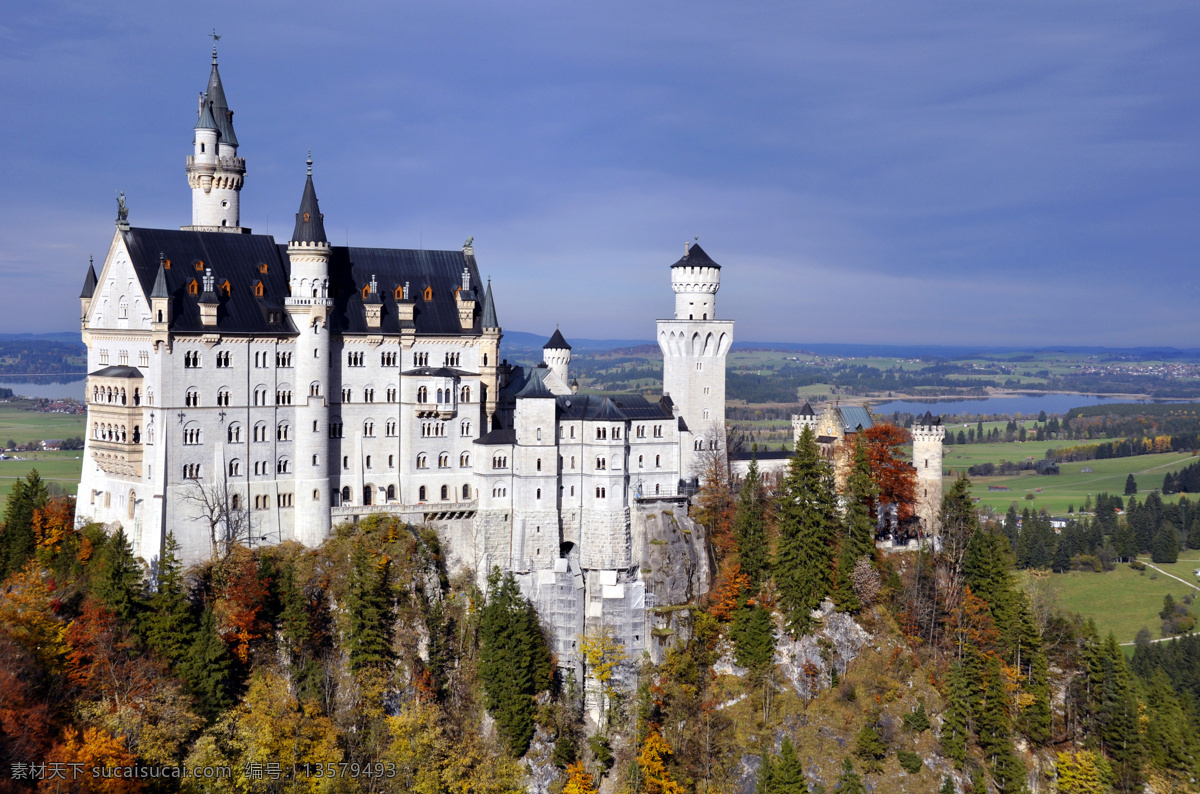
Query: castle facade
(246,388)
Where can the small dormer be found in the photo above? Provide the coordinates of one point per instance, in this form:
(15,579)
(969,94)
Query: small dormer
(209,302)
(405,305)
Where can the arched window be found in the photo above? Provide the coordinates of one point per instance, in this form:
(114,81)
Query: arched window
(282,466)
(465,428)
(346,495)
(444,461)
(429,293)
(366,494)
(658,461)
(422,394)
(465,396)
(391,493)
(539,493)
(466,492)
(282,431)
(316,494)
(445,492)
(391,461)
(639,461)
(421,494)
(132,503)
(422,461)
(539,464)
(235,468)
(236,502)
(464,460)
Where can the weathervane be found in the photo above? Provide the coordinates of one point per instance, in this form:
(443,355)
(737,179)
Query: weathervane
(215,39)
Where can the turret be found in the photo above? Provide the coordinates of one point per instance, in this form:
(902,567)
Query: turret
(557,355)
(215,173)
(89,289)
(489,356)
(309,305)
(160,306)
(695,278)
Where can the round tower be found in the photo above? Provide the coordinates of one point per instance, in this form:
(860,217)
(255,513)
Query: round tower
(556,354)
(695,279)
(927,434)
(214,171)
(309,306)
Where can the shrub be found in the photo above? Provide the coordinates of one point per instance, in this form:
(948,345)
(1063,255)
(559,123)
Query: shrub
(917,721)
(909,761)
(1137,565)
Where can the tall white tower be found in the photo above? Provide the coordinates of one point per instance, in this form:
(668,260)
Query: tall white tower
(309,307)
(694,345)
(927,435)
(214,171)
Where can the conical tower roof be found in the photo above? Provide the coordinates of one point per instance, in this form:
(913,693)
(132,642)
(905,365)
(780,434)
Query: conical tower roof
(310,223)
(160,283)
(696,257)
(206,120)
(214,95)
(489,309)
(89,282)
(556,342)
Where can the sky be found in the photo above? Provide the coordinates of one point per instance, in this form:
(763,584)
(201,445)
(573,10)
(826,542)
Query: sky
(982,173)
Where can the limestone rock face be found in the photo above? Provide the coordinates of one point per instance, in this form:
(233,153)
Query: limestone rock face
(672,553)
(834,644)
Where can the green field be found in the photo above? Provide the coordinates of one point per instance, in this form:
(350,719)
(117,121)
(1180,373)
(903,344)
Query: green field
(24,426)
(1123,600)
(1073,485)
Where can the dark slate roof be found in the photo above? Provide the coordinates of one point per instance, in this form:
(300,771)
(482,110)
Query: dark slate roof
(89,282)
(310,223)
(556,342)
(826,439)
(206,121)
(232,257)
(535,387)
(505,436)
(807,410)
(116,372)
(696,257)
(237,258)
(929,420)
(615,407)
(488,320)
(350,268)
(441,372)
(762,454)
(215,96)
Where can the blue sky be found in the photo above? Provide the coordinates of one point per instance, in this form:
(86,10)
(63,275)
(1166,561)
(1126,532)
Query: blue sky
(867,172)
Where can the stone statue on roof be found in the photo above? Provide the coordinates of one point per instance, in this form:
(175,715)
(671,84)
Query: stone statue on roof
(122,209)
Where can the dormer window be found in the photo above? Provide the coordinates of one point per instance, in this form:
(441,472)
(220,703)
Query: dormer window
(198,264)
(366,291)
(166,263)
(429,293)
(262,268)
(399,293)
(225,288)
(306,217)
(258,289)
(193,287)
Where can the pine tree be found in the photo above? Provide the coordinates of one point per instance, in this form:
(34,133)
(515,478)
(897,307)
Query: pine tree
(514,661)
(994,731)
(947,785)
(749,527)
(869,747)
(857,539)
(1012,529)
(206,668)
(849,782)
(956,718)
(1166,545)
(17,541)
(807,506)
(753,635)
(169,626)
(118,580)
(1117,719)
(368,609)
(766,774)
(1130,485)
(788,774)
(1193,541)
(1062,555)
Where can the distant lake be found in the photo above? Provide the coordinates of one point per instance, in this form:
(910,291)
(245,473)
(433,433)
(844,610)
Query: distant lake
(51,391)
(1029,404)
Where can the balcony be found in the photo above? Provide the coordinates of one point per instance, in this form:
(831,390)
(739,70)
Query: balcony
(117,458)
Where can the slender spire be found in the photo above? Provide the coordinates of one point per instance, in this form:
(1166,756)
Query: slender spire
(215,97)
(310,223)
(489,308)
(89,281)
(160,281)
(206,120)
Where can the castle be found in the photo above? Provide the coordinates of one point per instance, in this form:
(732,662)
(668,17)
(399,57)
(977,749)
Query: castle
(249,389)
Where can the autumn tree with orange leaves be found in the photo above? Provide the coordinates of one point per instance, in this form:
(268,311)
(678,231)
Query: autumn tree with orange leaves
(893,474)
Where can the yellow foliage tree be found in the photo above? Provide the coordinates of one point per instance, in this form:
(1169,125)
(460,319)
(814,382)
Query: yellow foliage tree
(1084,772)
(27,616)
(652,760)
(417,744)
(603,654)
(579,781)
